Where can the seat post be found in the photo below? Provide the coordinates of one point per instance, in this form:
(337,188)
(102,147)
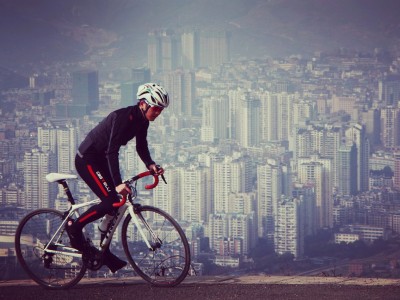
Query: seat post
(67,191)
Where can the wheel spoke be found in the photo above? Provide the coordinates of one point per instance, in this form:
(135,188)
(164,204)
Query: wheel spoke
(34,251)
(168,263)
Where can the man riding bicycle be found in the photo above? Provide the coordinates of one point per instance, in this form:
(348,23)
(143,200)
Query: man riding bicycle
(97,160)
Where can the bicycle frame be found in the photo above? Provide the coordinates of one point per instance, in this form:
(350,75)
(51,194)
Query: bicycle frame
(126,206)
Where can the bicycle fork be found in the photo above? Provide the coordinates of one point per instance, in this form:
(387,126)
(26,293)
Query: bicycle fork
(136,215)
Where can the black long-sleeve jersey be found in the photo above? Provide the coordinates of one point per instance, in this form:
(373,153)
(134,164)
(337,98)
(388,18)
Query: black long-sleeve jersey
(114,131)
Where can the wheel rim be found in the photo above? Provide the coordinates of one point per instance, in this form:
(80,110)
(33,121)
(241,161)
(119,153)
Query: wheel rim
(166,265)
(54,270)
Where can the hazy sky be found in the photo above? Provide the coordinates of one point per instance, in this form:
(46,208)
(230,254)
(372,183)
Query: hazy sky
(52,29)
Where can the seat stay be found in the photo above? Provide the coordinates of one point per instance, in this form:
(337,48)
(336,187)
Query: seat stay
(73,211)
(54,241)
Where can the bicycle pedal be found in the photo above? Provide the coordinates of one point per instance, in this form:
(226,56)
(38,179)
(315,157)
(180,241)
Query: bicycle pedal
(94,265)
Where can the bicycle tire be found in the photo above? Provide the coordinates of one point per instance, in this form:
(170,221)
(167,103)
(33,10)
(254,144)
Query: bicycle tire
(52,271)
(169,263)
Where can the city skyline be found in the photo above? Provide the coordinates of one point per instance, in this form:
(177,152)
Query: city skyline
(307,151)
(262,148)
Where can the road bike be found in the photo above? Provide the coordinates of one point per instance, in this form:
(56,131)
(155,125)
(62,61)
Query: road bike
(154,243)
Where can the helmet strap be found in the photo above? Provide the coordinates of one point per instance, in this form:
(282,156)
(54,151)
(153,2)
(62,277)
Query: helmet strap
(147,107)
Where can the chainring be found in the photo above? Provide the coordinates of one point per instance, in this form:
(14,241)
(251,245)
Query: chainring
(92,258)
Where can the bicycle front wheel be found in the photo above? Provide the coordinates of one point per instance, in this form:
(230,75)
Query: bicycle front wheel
(167,261)
(37,232)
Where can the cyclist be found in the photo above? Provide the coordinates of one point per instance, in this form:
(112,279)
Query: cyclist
(97,160)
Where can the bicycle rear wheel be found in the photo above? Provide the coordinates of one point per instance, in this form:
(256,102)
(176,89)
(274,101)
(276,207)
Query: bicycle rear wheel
(51,270)
(168,261)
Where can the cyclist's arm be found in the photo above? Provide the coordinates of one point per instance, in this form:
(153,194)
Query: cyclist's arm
(142,147)
(112,152)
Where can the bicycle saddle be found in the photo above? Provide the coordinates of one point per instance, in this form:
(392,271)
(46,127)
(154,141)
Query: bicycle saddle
(52,177)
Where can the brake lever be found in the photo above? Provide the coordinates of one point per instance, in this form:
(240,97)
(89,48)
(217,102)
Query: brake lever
(163,178)
(162,175)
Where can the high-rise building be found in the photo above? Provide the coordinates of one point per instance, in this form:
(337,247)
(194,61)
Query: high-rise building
(190,49)
(85,95)
(154,52)
(317,171)
(277,112)
(12,196)
(347,170)
(85,89)
(67,144)
(38,191)
(344,103)
(241,227)
(390,127)
(182,92)
(217,229)
(163,50)
(304,111)
(289,231)
(62,141)
(356,134)
(141,75)
(229,176)
(167,196)
(389,90)
(248,121)
(131,163)
(235,97)
(215,47)
(324,140)
(129,89)
(167,51)
(215,119)
(222,185)
(231,227)
(193,194)
(128,93)
(47,138)
(306,194)
(396,170)
(372,121)
(243,203)
(269,191)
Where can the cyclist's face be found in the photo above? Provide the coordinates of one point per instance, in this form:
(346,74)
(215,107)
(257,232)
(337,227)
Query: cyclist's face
(153,112)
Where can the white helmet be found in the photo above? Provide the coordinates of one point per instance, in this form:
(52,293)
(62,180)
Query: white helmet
(153,94)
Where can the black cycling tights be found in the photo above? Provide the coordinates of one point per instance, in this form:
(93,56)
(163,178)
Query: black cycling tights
(94,171)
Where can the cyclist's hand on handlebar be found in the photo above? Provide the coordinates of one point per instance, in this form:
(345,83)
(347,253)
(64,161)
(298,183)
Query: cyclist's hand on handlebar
(156,169)
(123,189)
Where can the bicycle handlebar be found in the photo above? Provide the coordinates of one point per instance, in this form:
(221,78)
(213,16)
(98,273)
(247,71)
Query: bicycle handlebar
(147,186)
